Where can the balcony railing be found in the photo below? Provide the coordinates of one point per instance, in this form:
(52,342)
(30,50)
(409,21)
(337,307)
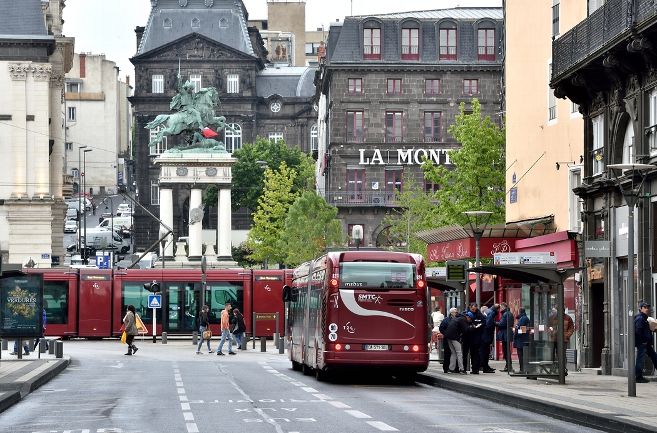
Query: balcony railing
(611,22)
(361,198)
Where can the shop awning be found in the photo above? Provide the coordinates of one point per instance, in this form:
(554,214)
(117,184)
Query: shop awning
(528,273)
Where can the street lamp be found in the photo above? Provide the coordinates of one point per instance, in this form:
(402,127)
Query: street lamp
(80,191)
(631,194)
(478,220)
(84,190)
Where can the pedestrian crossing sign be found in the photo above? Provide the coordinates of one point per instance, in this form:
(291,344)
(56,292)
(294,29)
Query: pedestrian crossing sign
(154,301)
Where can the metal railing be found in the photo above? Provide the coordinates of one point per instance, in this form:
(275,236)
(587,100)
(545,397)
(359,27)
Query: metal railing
(610,23)
(362,198)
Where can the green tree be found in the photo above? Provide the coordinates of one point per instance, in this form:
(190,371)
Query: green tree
(248,171)
(476,181)
(264,239)
(311,226)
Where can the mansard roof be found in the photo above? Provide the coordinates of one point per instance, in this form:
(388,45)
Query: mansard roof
(287,82)
(221,20)
(22,19)
(345,41)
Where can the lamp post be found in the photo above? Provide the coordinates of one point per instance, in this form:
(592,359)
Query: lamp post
(635,175)
(109,197)
(80,191)
(478,220)
(84,190)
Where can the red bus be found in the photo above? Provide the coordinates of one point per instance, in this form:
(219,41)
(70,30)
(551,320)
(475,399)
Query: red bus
(359,308)
(90,303)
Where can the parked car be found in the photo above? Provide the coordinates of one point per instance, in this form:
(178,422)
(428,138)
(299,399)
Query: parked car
(72,214)
(71,226)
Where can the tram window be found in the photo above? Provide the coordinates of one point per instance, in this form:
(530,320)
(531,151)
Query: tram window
(55,301)
(135,294)
(222,292)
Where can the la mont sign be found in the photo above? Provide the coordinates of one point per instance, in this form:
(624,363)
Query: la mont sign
(403,156)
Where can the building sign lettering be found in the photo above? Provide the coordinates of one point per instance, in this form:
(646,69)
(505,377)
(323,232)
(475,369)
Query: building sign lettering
(403,156)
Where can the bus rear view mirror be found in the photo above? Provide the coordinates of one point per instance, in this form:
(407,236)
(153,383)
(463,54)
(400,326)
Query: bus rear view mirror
(287,293)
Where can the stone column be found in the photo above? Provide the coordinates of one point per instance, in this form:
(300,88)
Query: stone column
(223,225)
(195,224)
(19,134)
(38,176)
(166,215)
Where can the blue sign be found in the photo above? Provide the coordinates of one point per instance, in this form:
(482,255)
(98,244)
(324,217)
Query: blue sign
(102,260)
(154,301)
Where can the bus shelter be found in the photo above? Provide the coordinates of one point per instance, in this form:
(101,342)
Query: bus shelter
(543,342)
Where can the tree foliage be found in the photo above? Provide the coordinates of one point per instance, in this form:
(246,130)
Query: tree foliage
(264,238)
(311,226)
(476,182)
(248,172)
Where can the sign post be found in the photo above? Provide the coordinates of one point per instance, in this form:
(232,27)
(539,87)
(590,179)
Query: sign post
(155,302)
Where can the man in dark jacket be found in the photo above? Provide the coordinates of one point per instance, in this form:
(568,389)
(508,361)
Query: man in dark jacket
(443,328)
(505,335)
(643,341)
(472,340)
(487,338)
(457,327)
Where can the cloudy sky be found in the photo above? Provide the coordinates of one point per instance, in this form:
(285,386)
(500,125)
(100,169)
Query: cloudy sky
(107,27)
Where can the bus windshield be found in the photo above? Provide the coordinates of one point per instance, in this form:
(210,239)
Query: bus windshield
(382,275)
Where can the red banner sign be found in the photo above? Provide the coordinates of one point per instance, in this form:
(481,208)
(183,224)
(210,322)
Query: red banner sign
(463,249)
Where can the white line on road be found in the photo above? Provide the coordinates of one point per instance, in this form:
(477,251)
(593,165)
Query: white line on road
(357,414)
(179,384)
(192,428)
(181,390)
(322,397)
(182,397)
(184,406)
(309,389)
(339,405)
(188,416)
(381,426)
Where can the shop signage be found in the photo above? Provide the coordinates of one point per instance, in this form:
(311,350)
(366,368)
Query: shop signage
(403,156)
(466,248)
(21,306)
(524,258)
(597,249)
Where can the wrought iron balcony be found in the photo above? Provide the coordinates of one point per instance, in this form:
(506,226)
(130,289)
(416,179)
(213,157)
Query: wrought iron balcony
(341,198)
(604,28)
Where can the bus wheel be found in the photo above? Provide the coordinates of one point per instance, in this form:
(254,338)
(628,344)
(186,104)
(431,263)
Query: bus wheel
(307,371)
(296,366)
(321,375)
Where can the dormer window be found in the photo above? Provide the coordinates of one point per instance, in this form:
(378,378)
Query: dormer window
(410,45)
(372,42)
(447,42)
(486,44)
(167,23)
(223,23)
(196,23)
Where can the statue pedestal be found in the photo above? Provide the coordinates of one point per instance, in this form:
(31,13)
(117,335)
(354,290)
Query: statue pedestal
(197,168)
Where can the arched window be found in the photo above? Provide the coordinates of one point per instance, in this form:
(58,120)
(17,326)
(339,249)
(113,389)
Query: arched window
(313,138)
(628,144)
(233,138)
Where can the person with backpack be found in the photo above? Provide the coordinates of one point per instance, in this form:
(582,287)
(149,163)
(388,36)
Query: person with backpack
(203,325)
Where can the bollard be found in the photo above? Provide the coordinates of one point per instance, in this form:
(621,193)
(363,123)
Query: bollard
(42,345)
(263,344)
(275,339)
(5,344)
(164,338)
(281,346)
(59,349)
(51,347)
(195,338)
(243,347)
(30,344)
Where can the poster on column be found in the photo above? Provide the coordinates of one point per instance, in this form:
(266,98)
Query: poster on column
(21,306)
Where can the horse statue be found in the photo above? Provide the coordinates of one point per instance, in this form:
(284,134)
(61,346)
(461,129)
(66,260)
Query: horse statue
(201,144)
(195,111)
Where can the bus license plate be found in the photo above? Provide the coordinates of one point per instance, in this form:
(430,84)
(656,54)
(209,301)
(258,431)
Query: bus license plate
(376,347)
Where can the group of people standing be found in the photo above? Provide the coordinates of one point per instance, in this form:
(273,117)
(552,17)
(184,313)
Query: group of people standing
(468,336)
(231,326)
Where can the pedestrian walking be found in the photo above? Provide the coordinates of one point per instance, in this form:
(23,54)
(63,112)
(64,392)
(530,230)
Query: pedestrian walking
(130,324)
(521,338)
(225,331)
(26,348)
(239,328)
(204,325)
(643,341)
(503,334)
(487,338)
(457,327)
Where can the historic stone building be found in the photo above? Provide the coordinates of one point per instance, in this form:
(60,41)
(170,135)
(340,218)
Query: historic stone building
(608,65)
(209,43)
(34,56)
(389,88)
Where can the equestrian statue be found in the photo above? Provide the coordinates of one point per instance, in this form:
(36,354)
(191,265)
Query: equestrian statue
(193,118)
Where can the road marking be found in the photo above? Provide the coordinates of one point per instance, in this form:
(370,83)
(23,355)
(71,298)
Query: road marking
(309,389)
(181,390)
(182,397)
(192,428)
(180,384)
(298,383)
(322,397)
(339,405)
(184,406)
(357,414)
(381,426)
(188,416)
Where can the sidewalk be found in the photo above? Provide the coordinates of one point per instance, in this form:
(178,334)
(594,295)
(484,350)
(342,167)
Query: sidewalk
(586,399)
(20,377)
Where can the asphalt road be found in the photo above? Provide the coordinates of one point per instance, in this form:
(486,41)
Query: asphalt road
(168,388)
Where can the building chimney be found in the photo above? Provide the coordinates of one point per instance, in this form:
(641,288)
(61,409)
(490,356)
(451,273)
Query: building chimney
(83,65)
(139,31)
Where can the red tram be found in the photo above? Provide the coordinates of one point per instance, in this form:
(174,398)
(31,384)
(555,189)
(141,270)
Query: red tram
(89,303)
(359,308)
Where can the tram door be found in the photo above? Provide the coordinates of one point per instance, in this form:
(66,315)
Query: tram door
(182,306)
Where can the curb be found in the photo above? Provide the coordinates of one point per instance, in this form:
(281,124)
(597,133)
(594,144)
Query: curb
(553,410)
(8,399)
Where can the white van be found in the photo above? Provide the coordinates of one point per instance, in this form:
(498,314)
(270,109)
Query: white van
(118,222)
(102,239)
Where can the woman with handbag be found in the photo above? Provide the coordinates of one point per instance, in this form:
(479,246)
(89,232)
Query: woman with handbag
(129,322)
(204,329)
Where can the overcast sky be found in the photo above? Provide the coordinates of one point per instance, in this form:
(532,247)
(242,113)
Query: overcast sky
(107,26)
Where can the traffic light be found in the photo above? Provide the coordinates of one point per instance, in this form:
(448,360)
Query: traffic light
(152,287)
